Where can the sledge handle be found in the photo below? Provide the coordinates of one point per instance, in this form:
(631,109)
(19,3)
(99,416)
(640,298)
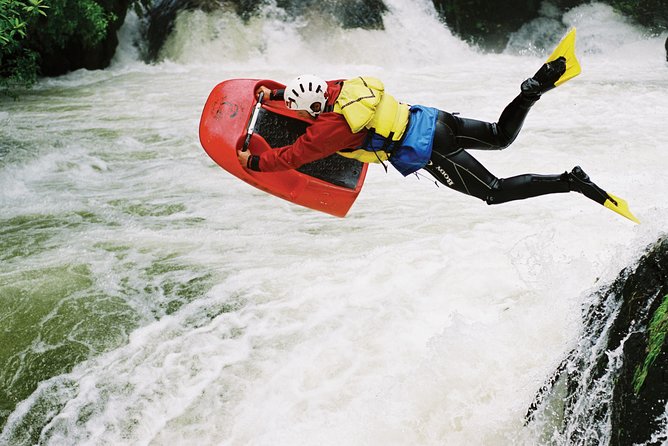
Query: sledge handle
(251,124)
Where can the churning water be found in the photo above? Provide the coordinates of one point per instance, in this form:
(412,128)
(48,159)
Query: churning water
(148,297)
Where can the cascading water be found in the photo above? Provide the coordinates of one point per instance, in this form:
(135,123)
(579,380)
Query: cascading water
(151,298)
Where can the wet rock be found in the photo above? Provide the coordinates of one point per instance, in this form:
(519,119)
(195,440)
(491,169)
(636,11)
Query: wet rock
(484,23)
(159,20)
(490,24)
(366,14)
(614,384)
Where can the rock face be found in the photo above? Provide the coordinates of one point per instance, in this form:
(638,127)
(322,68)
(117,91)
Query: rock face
(487,24)
(159,21)
(367,14)
(490,24)
(613,388)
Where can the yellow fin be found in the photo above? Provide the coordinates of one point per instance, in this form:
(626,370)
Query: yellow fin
(622,208)
(566,48)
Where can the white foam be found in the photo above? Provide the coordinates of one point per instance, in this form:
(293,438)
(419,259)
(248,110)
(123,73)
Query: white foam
(424,317)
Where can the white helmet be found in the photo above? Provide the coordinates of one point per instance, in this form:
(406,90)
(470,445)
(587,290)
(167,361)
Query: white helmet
(304,92)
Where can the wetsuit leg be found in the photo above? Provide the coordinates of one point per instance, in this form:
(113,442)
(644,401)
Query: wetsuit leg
(474,134)
(459,170)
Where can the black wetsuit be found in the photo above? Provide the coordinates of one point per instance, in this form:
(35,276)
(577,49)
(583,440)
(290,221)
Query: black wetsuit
(453,166)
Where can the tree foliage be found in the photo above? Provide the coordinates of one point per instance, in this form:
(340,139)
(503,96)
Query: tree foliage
(83,19)
(14,15)
(32,31)
(18,65)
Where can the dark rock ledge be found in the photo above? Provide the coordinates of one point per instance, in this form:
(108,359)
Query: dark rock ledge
(613,387)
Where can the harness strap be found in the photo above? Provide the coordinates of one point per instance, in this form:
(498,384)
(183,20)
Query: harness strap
(385,148)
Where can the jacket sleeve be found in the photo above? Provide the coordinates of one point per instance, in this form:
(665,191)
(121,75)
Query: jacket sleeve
(326,136)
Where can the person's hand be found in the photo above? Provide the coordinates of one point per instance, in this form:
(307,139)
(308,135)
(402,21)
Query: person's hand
(243,157)
(265,90)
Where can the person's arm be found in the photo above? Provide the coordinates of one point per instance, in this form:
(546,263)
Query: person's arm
(247,160)
(309,147)
(329,134)
(272,95)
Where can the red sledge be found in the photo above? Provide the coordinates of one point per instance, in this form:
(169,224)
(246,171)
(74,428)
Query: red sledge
(233,119)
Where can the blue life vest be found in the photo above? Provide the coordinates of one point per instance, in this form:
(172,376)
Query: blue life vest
(414,150)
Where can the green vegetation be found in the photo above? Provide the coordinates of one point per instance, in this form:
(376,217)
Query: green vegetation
(32,30)
(658,329)
(18,66)
(13,16)
(84,19)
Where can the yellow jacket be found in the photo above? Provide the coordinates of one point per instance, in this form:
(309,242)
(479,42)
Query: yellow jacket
(365,105)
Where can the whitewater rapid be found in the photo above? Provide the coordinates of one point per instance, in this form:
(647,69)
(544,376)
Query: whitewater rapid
(161,301)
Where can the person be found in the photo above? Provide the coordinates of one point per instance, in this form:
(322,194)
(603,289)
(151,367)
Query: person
(356,118)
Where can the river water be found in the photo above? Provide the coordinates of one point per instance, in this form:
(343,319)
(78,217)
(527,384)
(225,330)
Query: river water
(150,298)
